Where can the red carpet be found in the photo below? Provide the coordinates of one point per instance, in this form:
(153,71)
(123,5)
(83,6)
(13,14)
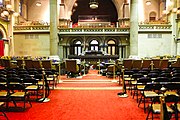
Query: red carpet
(88,85)
(82,105)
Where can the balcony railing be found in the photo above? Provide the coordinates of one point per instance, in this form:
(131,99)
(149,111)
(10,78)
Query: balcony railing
(155,28)
(101,30)
(32,28)
(94,30)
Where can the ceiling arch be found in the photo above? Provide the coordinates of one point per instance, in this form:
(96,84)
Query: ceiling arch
(106,7)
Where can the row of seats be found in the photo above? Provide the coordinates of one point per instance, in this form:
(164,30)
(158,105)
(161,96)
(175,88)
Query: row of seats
(69,66)
(22,85)
(27,64)
(151,85)
(109,69)
(130,64)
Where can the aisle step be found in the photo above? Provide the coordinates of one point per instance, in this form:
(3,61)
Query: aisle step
(88,88)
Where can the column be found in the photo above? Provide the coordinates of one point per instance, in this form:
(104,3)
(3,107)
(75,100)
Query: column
(178,47)
(10,31)
(173,17)
(53,28)
(134,27)
(120,51)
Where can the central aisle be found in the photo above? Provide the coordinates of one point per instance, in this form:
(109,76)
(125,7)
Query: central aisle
(90,81)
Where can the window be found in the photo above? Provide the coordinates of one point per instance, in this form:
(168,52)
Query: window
(111,47)
(152,16)
(77,47)
(94,45)
(1,3)
(20,7)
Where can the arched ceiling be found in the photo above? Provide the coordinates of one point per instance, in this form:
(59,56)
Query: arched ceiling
(106,7)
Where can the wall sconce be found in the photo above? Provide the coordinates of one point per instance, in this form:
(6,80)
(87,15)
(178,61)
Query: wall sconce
(174,10)
(5,13)
(164,12)
(9,7)
(178,12)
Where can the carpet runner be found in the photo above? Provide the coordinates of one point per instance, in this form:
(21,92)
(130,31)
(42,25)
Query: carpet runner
(91,81)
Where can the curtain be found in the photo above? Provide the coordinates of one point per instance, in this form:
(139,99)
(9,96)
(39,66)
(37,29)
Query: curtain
(1,48)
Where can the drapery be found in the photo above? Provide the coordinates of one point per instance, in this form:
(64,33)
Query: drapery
(1,47)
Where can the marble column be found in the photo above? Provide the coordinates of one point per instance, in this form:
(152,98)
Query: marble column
(53,28)
(134,27)
(10,36)
(173,17)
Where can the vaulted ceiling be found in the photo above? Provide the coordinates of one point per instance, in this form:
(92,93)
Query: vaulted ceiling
(106,7)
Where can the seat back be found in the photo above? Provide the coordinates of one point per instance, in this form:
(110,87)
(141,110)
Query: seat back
(162,80)
(176,64)
(144,80)
(28,63)
(111,68)
(164,64)
(20,63)
(156,63)
(127,63)
(71,65)
(146,63)
(46,64)
(137,64)
(36,64)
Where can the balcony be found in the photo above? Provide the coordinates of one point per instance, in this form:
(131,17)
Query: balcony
(107,31)
(143,28)
(31,28)
(154,27)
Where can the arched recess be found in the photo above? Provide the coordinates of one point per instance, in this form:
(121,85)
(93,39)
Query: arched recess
(106,7)
(4,46)
(75,46)
(3,31)
(94,43)
(152,16)
(112,47)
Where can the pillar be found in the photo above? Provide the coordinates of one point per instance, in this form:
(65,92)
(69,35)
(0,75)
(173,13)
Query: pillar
(10,36)
(134,27)
(53,28)
(173,17)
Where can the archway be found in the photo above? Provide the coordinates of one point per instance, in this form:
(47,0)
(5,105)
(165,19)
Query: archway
(94,45)
(152,16)
(105,7)
(111,47)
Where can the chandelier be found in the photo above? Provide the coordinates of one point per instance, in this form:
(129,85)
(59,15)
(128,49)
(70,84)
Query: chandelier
(93,4)
(6,12)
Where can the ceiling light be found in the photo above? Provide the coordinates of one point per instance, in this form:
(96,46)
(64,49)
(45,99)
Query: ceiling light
(38,3)
(148,2)
(6,13)
(93,4)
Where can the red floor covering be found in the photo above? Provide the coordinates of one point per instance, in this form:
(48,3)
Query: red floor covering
(88,85)
(82,105)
